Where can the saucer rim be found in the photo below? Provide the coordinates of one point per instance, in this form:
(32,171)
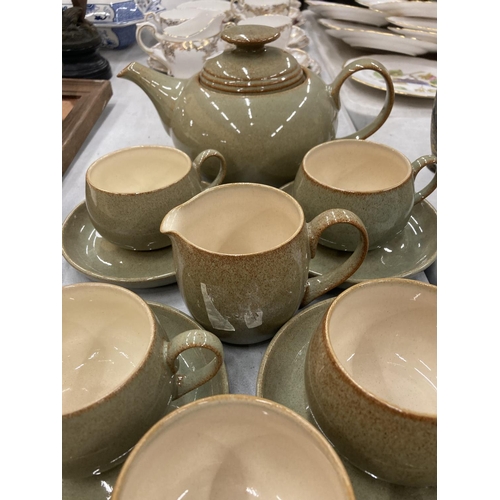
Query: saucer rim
(408,274)
(139,282)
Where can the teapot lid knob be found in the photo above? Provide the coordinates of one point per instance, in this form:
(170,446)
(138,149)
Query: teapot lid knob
(250,36)
(251,67)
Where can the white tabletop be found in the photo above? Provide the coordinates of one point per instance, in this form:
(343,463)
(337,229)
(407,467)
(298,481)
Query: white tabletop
(130,119)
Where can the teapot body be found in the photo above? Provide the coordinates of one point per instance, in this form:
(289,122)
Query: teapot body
(262,136)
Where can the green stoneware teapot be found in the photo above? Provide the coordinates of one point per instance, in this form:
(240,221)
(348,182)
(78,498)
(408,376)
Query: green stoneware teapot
(255,104)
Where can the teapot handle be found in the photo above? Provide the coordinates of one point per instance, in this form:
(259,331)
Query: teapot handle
(321,284)
(202,157)
(365,63)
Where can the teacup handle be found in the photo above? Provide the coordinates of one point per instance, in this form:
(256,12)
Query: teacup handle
(202,157)
(319,285)
(138,35)
(366,63)
(188,340)
(418,165)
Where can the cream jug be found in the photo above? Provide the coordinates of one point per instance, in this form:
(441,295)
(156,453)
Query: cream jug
(242,254)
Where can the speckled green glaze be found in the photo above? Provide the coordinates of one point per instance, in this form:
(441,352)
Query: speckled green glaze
(281,379)
(98,436)
(173,323)
(262,122)
(245,297)
(388,441)
(385,212)
(98,259)
(411,251)
(132,220)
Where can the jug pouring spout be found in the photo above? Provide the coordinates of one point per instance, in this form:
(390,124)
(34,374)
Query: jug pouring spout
(163,90)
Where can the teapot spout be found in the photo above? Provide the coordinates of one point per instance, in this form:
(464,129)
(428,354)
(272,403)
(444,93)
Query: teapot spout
(163,90)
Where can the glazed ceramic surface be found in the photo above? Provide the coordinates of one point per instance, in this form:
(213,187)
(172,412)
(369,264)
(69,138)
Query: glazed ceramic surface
(372,180)
(347,13)
(237,447)
(418,23)
(98,259)
(255,92)
(390,42)
(298,38)
(371,384)
(415,33)
(412,76)
(281,379)
(412,251)
(253,8)
(118,374)
(184,47)
(242,266)
(415,8)
(129,191)
(174,322)
(282,23)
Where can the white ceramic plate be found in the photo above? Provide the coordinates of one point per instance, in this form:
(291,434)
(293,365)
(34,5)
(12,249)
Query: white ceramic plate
(414,8)
(412,76)
(429,36)
(304,59)
(388,42)
(346,25)
(416,23)
(344,12)
(372,3)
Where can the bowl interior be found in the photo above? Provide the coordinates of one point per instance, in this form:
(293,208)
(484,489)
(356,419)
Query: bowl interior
(384,335)
(232,449)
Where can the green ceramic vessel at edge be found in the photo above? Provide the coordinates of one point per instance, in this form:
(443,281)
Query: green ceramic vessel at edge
(255,104)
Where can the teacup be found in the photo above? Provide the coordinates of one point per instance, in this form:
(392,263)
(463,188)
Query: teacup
(251,8)
(242,254)
(281,22)
(371,381)
(129,191)
(373,180)
(233,447)
(118,374)
(183,48)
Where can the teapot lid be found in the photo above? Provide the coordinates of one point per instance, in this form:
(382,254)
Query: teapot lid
(252,67)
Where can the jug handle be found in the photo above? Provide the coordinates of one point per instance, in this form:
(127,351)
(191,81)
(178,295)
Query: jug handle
(138,36)
(365,63)
(418,165)
(317,286)
(202,157)
(200,339)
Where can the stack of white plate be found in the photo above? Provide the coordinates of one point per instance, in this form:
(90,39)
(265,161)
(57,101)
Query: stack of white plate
(399,26)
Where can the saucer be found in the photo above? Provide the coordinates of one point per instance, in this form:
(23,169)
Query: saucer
(173,322)
(281,379)
(88,252)
(413,250)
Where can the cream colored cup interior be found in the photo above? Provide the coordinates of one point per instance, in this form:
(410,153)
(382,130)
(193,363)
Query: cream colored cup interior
(357,165)
(240,219)
(385,337)
(138,169)
(231,451)
(106,333)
